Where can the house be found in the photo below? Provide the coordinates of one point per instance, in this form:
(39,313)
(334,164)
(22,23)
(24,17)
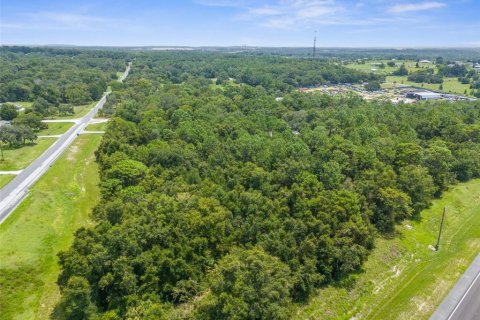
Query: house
(425,61)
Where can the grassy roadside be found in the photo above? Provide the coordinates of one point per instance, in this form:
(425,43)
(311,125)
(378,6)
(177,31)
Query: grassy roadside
(5,178)
(43,224)
(403,278)
(55,128)
(97,127)
(19,158)
(80,111)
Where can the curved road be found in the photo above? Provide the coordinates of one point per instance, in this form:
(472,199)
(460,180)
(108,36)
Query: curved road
(13,193)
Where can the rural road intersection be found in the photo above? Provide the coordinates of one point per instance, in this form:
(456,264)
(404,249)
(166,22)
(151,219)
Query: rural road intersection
(14,192)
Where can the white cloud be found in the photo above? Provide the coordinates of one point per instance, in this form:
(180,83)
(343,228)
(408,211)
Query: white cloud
(293,13)
(422,6)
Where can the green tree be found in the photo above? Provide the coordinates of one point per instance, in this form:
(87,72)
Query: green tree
(75,303)
(418,184)
(8,112)
(248,284)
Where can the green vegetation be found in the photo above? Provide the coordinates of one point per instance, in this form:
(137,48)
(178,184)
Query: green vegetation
(78,112)
(55,128)
(97,126)
(5,178)
(403,278)
(450,85)
(73,77)
(42,225)
(19,158)
(456,79)
(25,104)
(201,189)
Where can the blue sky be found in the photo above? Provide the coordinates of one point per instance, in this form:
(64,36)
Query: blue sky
(340,23)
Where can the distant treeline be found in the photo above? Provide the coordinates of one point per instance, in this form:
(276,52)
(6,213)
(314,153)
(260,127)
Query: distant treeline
(51,77)
(275,74)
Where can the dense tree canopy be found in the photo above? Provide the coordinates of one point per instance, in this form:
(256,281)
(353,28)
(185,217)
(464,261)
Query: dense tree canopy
(236,204)
(49,77)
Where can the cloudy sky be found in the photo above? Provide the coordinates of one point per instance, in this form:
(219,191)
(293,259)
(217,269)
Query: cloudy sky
(339,23)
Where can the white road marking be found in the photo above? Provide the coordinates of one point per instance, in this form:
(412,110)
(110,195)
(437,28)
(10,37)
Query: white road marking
(463,297)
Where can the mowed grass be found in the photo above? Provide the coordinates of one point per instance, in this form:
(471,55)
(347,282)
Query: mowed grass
(450,85)
(5,178)
(409,64)
(97,127)
(25,104)
(80,111)
(55,128)
(403,278)
(43,225)
(19,158)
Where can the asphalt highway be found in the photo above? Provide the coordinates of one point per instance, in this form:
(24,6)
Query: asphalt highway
(14,192)
(463,302)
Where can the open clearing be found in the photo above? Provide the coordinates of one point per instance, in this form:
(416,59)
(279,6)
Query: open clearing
(56,128)
(19,158)
(97,127)
(43,225)
(403,278)
(450,85)
(80,111)
(5,178)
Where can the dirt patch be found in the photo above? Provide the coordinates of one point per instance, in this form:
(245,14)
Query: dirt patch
(72,152)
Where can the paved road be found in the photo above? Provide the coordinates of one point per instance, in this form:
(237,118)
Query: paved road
(463,302)
(13,193)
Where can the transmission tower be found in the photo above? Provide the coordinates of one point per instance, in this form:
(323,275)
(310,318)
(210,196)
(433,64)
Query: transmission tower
(315,44)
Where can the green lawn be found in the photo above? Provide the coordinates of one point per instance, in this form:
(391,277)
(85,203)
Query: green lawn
(55,128)
(80,111)
(450,85)
(97,127)
(41,226)
(403,278)
(5,178)
(25,104)
(17,159)
(367,66)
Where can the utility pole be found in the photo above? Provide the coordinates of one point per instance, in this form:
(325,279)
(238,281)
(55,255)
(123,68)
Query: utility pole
(314,44)
(440,231)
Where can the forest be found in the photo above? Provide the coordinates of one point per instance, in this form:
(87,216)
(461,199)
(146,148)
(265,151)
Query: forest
(56,79)
(220,201)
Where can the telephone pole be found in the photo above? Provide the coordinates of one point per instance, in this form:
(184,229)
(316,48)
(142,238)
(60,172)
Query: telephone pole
(440,231)
(315,44)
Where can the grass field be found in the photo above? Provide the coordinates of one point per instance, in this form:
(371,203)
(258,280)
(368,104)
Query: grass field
(56,128)
(97,127)
(17,159)
(403,278)
(450,85)
(40,227)
(367,66)
(25,104)
(5,178)
(80,111)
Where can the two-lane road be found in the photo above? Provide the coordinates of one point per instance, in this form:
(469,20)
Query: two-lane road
(14,192)
(463,302)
